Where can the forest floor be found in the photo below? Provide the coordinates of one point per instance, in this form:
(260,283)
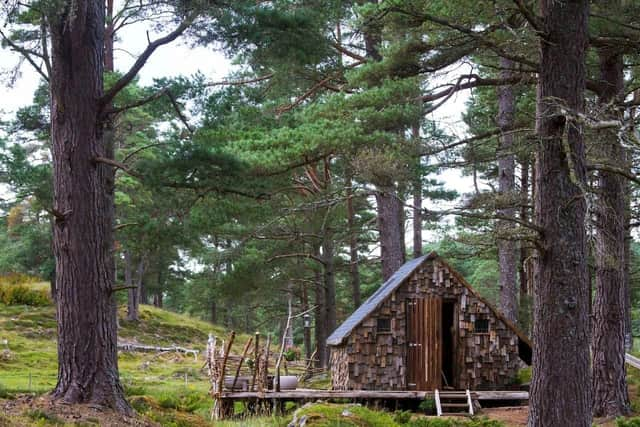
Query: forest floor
(165,389)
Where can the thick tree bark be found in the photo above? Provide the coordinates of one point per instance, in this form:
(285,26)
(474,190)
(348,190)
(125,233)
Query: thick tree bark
(610,395)
(52,279)
(507,252)
(83,232)
(389,214)
(354,271)
(561,387)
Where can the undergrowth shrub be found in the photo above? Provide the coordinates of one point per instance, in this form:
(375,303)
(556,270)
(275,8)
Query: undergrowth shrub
(628,422)
(17,279)
(23,295)
(402,417)
(184,401)
(428,406)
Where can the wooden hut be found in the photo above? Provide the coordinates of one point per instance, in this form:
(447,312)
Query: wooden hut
(426,328)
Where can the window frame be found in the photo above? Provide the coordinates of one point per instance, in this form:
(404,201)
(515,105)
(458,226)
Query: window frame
(386,330)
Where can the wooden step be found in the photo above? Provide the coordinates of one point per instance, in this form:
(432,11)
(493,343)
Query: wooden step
(454,400)
(454,414)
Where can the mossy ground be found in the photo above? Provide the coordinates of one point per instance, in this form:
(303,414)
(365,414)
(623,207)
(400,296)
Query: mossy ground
(174,385)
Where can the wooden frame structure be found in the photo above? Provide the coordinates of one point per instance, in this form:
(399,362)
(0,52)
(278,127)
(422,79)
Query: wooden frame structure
(443,335)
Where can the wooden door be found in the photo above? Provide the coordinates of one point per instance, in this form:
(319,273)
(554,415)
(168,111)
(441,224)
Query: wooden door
(424,343)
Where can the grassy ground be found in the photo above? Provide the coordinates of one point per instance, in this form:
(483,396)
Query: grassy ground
(169,389)
(169,385)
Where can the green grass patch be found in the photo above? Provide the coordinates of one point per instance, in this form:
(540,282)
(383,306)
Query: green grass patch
(524,375)
(628,422)
(453,422)
(23,295)
(332,415)
(43,418)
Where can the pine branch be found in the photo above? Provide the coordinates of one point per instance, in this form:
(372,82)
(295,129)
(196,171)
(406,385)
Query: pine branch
(26,54)
(474,80)
(240,82)
(182,117)
(108,97)
(479,137)
(297,255)
(311,91)
(138,103)
(529,15)
(613,169)
(118,165)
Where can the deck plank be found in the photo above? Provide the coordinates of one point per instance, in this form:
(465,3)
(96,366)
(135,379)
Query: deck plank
(303,394)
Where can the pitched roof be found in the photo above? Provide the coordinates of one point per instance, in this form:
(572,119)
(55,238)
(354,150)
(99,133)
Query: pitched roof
(397,279)
(376,299)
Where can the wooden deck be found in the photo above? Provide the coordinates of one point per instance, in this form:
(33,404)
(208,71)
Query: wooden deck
(632,360)
(310,394)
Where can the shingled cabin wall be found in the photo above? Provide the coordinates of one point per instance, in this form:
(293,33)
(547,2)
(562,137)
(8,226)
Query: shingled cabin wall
(368,360)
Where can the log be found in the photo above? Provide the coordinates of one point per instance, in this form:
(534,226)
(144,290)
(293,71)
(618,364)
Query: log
(124,346)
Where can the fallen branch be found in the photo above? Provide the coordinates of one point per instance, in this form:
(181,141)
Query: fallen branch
(156,349)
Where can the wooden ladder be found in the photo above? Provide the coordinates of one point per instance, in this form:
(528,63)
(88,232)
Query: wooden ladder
(450,403)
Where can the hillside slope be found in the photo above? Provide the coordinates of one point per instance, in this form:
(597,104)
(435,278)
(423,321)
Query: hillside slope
(164,385)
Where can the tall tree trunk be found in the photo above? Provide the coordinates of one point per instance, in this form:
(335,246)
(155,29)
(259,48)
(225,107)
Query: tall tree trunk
(391,250)
(142,292)
(83,232)
(52,279)
(157,299)
(561,386)
(132,293)
(329,280)
(507,253)
(372,36)
(213,311)
(320,328)
(610,395)
(109,38)
(304,300)
(524,216)
(354,271)
(628,333)
(628,342)
(417,197)
(525,264)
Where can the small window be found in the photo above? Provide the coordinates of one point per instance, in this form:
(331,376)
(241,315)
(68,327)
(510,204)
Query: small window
(384,325)
(481,326)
